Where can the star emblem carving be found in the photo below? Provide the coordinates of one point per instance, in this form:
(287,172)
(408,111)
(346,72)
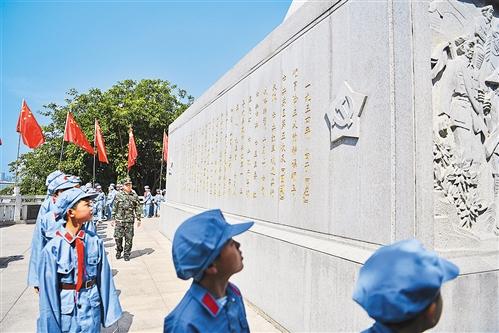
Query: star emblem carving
(343,116)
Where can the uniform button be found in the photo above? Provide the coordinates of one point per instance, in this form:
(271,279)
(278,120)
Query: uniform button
(79,306)
(66,270)
(233,299)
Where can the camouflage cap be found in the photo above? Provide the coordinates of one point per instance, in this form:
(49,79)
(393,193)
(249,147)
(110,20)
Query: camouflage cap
(126,180)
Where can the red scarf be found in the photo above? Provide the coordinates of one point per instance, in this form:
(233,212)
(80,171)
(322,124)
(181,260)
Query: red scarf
(80,254)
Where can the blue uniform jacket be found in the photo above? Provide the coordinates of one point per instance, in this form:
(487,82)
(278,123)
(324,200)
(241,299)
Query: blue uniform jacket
(48,205)
(45,229)
(110,197)
(157,199)
(100,200)
(198,311)
(378,328)
(147,198)
(64,310)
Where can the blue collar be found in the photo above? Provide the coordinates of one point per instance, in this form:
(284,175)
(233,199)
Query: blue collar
(207,301)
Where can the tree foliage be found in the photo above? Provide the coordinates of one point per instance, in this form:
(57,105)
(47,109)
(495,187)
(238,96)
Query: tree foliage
(148,106)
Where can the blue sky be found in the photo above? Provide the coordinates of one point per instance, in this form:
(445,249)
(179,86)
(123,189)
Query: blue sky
(47,47)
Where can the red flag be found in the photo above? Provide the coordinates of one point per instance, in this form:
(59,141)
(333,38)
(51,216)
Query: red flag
(30,131)
(132,150)
(99,143)
(73,133)
(165,146)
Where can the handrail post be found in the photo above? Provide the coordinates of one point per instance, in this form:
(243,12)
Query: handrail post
(18,202)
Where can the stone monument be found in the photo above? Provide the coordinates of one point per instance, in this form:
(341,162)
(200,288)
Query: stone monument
(352,125)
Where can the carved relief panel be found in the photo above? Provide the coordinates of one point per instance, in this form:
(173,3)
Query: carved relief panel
(465,78)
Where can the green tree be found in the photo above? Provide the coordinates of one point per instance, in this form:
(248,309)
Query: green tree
(148,106)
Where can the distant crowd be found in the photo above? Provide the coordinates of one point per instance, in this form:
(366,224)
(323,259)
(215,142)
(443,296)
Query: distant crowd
(103,204)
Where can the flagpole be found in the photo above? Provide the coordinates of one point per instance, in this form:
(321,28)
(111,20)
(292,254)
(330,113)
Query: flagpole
(18,147)
(128,168)
(62,145)
(17,159)
(95,151)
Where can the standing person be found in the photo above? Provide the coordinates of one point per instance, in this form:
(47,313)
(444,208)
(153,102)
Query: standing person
(399,287)
(111,195)
(157,202)
(126,209)
(147,201)
(203,249)
(99,203)
(49,201)
(47,220)
(53,183)
(77,292)
(87,187)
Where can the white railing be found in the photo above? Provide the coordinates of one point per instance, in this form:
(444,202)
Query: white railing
(19,208)
(7,212)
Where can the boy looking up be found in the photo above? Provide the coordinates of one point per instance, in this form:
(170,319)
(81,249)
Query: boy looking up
(399,287)
(203,249)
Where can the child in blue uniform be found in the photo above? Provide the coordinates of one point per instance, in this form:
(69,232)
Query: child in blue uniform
(77,292)
(156,200)
(49,201)
(57,182)
(399,287)
(99,203)
(111,195)
(203,249)
(147,201)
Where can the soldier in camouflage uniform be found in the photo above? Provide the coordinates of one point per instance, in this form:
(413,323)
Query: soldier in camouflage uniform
(126,208)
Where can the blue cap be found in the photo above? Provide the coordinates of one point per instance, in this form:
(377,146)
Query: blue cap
(69,198)
(199,240)
(62,182)
(400,280)
(53,176)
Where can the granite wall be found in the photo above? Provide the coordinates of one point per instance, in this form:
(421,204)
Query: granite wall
(343,130)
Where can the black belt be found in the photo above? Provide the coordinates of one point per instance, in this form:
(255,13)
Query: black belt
(86,285)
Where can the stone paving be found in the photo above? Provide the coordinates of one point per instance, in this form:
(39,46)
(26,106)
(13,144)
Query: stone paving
(147,284)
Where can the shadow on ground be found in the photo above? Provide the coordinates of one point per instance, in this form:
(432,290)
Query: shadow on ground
(123,325)
(4,261)
(138,253)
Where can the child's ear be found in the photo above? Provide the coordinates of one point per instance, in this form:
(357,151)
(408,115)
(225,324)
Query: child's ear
(212,270)
(430,314)
(70,213)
